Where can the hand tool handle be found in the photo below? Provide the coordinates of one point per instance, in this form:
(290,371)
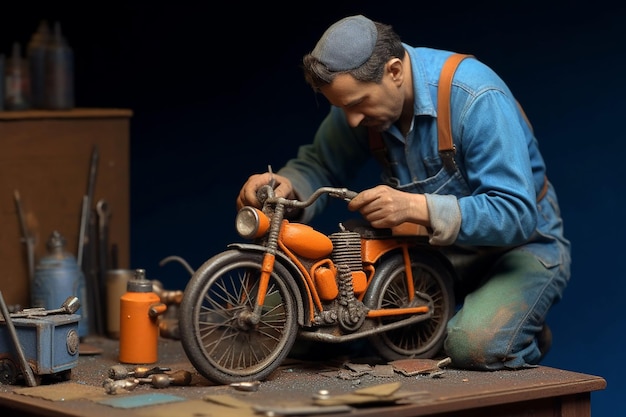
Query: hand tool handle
(180,377)
(26,369)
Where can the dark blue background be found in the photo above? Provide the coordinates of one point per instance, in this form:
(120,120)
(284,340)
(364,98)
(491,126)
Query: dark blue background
(217,94)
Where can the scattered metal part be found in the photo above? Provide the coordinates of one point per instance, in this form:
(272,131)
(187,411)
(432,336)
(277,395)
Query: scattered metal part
(165,380)
(412,367)
(169,297)
(385,393)
(383,390)
(169,328)
(444,362)
(112,386)
(300,410)
(120,371)
(321,394)
(356,370)
(384,371)
(251,386)
(168,322)
(348,374)
(360,368)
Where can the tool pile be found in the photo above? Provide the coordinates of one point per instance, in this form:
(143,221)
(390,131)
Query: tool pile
(122,379)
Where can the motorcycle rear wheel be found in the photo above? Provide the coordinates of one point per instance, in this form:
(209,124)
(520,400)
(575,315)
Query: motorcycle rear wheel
(216,332)
(430,276)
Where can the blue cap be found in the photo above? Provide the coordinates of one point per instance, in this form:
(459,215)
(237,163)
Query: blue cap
(347,44)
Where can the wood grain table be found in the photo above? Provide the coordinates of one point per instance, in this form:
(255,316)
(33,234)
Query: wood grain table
(541,391)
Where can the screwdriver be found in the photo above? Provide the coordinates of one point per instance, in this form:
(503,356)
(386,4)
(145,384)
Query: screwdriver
(121,372)
(165,380)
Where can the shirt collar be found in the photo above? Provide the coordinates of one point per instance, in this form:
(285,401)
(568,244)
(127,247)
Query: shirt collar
(423,102)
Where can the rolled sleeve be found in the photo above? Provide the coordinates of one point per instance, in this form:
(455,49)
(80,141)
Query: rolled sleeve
(445,219)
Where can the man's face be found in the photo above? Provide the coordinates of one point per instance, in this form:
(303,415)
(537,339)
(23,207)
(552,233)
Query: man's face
(369,104)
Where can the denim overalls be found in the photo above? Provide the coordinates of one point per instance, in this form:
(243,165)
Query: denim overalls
(508,247)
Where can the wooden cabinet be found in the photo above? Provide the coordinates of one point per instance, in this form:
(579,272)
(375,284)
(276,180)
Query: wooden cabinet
(45,156)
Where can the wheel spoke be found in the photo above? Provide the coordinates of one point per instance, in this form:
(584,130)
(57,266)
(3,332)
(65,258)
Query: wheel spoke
(430,278)
(223,336)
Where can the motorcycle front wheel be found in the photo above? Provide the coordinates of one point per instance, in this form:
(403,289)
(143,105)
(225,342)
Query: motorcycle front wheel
(219,332)
(389,290)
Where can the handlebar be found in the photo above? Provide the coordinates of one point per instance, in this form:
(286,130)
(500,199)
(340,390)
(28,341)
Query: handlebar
(268,193)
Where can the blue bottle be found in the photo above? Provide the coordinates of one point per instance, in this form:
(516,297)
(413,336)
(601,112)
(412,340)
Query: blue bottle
(17,81)
(36,54)
(59,70)
(57,276)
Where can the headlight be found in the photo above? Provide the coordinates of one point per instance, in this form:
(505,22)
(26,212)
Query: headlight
(251,223)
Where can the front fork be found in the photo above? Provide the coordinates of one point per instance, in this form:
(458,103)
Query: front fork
(266,272)
(267,266)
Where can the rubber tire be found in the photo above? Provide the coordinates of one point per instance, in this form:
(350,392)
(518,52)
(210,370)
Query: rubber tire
(430,275)
(259,350)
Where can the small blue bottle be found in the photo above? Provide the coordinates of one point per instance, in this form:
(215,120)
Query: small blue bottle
(17,81)
(59,68)
(36,55)
(57,276)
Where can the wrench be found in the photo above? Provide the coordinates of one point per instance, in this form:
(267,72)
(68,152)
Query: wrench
(69,306)
(103,212)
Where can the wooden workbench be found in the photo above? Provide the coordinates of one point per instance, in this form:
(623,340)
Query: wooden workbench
(541,391)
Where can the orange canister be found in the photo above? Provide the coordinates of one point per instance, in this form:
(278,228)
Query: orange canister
(140,308)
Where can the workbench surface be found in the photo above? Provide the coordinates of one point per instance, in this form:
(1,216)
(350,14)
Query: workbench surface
(537,391)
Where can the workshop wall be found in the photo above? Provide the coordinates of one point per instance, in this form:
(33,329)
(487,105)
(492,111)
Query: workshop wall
(217,94)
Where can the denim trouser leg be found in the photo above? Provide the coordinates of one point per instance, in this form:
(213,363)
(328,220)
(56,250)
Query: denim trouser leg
(496,326)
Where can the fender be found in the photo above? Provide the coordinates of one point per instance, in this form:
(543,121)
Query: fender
(418,248)
(297,281)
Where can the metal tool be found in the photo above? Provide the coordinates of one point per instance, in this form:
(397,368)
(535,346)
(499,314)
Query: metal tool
(112,386)
(250,386)
(27,238)
(103,214)
(26,369)
(165,380)
(120,371)
(86,206)
(69,306)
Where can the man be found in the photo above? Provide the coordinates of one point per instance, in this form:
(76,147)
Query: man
(487,201)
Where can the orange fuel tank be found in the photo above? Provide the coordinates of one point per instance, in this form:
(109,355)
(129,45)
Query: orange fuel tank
(306,241)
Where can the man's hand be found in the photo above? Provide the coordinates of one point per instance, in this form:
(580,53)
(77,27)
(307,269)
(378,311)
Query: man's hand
(248,194)
(385,207)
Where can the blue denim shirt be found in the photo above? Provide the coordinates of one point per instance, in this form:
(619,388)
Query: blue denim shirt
(491,199)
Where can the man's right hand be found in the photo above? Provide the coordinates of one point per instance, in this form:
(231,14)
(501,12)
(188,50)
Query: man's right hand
(248,194)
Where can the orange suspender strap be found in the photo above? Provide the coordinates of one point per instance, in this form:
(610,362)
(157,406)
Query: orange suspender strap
(444,126)
(446,146)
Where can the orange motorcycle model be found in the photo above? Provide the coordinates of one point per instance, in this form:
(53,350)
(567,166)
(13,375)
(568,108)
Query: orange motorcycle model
(244,308)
